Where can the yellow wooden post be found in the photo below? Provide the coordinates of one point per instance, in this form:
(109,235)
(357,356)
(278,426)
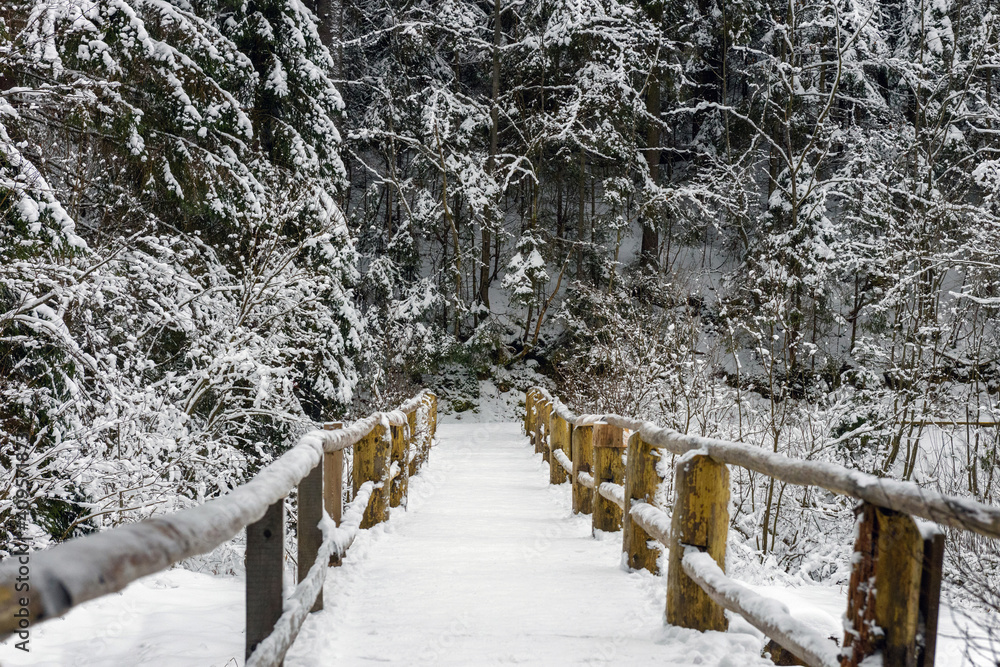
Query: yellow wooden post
(700,519)
(583,461)
(608,467)
(558,442)
(544,430)
(641,482)
(412,441)
(434,419)
(371,463)
(398,486)
(529,404)
(423,448)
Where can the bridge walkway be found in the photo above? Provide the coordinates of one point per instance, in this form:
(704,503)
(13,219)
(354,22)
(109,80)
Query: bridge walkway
(489,566)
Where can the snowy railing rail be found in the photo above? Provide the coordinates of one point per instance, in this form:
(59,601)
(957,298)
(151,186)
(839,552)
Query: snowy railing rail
(106,562)
(901,557)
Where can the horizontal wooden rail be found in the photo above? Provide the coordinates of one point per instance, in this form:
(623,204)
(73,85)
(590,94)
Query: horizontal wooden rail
(613,492)
(902,559)
(907,497)
(337,540)
(952,511)
(653,520)
(89,567)
(769,616)
(563,460)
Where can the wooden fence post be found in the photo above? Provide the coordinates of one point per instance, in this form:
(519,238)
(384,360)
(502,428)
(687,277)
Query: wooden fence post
(558,441)
(412,443)
(890,550)
(430,428)
(265,568)
(700,519)
(309,535)
(333,484)
(583,461)
(371,463)
(608,467)
(641,482)
(529,400)
(433,419)
(399,484)
(930,595)
(542,429)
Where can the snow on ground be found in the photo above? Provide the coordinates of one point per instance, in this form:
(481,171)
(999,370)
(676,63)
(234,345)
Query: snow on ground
(487,566)
(491,406)
(176,618)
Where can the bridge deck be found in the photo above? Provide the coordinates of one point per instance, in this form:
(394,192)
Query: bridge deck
(488,566)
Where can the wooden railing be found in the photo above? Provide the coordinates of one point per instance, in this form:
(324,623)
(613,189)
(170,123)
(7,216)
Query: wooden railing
(388,447)
(895,584)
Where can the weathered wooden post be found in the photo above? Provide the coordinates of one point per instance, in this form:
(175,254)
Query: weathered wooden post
(309,535)
(333,484)
(400,482)
(412,442)
(930,594)
(542,428)
(608,467)
(529,401)
(265,567)
(559,441)
(891,552)
(434,419)
(583,461)
(423,444)
(371,464)
(641,482)
(430,428)
(700,519)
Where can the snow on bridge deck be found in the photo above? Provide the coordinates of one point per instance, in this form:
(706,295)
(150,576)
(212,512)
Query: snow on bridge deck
(489,566)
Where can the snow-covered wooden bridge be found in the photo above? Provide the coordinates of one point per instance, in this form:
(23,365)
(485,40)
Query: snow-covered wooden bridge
(497,560)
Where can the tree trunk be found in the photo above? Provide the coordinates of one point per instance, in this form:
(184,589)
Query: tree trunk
(648,254)
(491,165)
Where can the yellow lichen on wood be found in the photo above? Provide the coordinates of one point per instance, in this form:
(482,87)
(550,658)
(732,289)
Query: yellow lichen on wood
(371,463)
(641,482)
(544,428)
(583,461)
(398,486)
(700,519)
(559,440)
(412,441)
(608,467)
(529,405)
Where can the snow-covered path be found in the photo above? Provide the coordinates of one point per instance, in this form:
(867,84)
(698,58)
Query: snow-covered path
(489,566)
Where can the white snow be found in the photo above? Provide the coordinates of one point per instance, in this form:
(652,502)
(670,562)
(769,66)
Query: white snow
(563,460)
(487,565)
(613,492)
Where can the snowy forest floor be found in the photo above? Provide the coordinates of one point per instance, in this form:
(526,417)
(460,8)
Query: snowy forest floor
(487,566)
